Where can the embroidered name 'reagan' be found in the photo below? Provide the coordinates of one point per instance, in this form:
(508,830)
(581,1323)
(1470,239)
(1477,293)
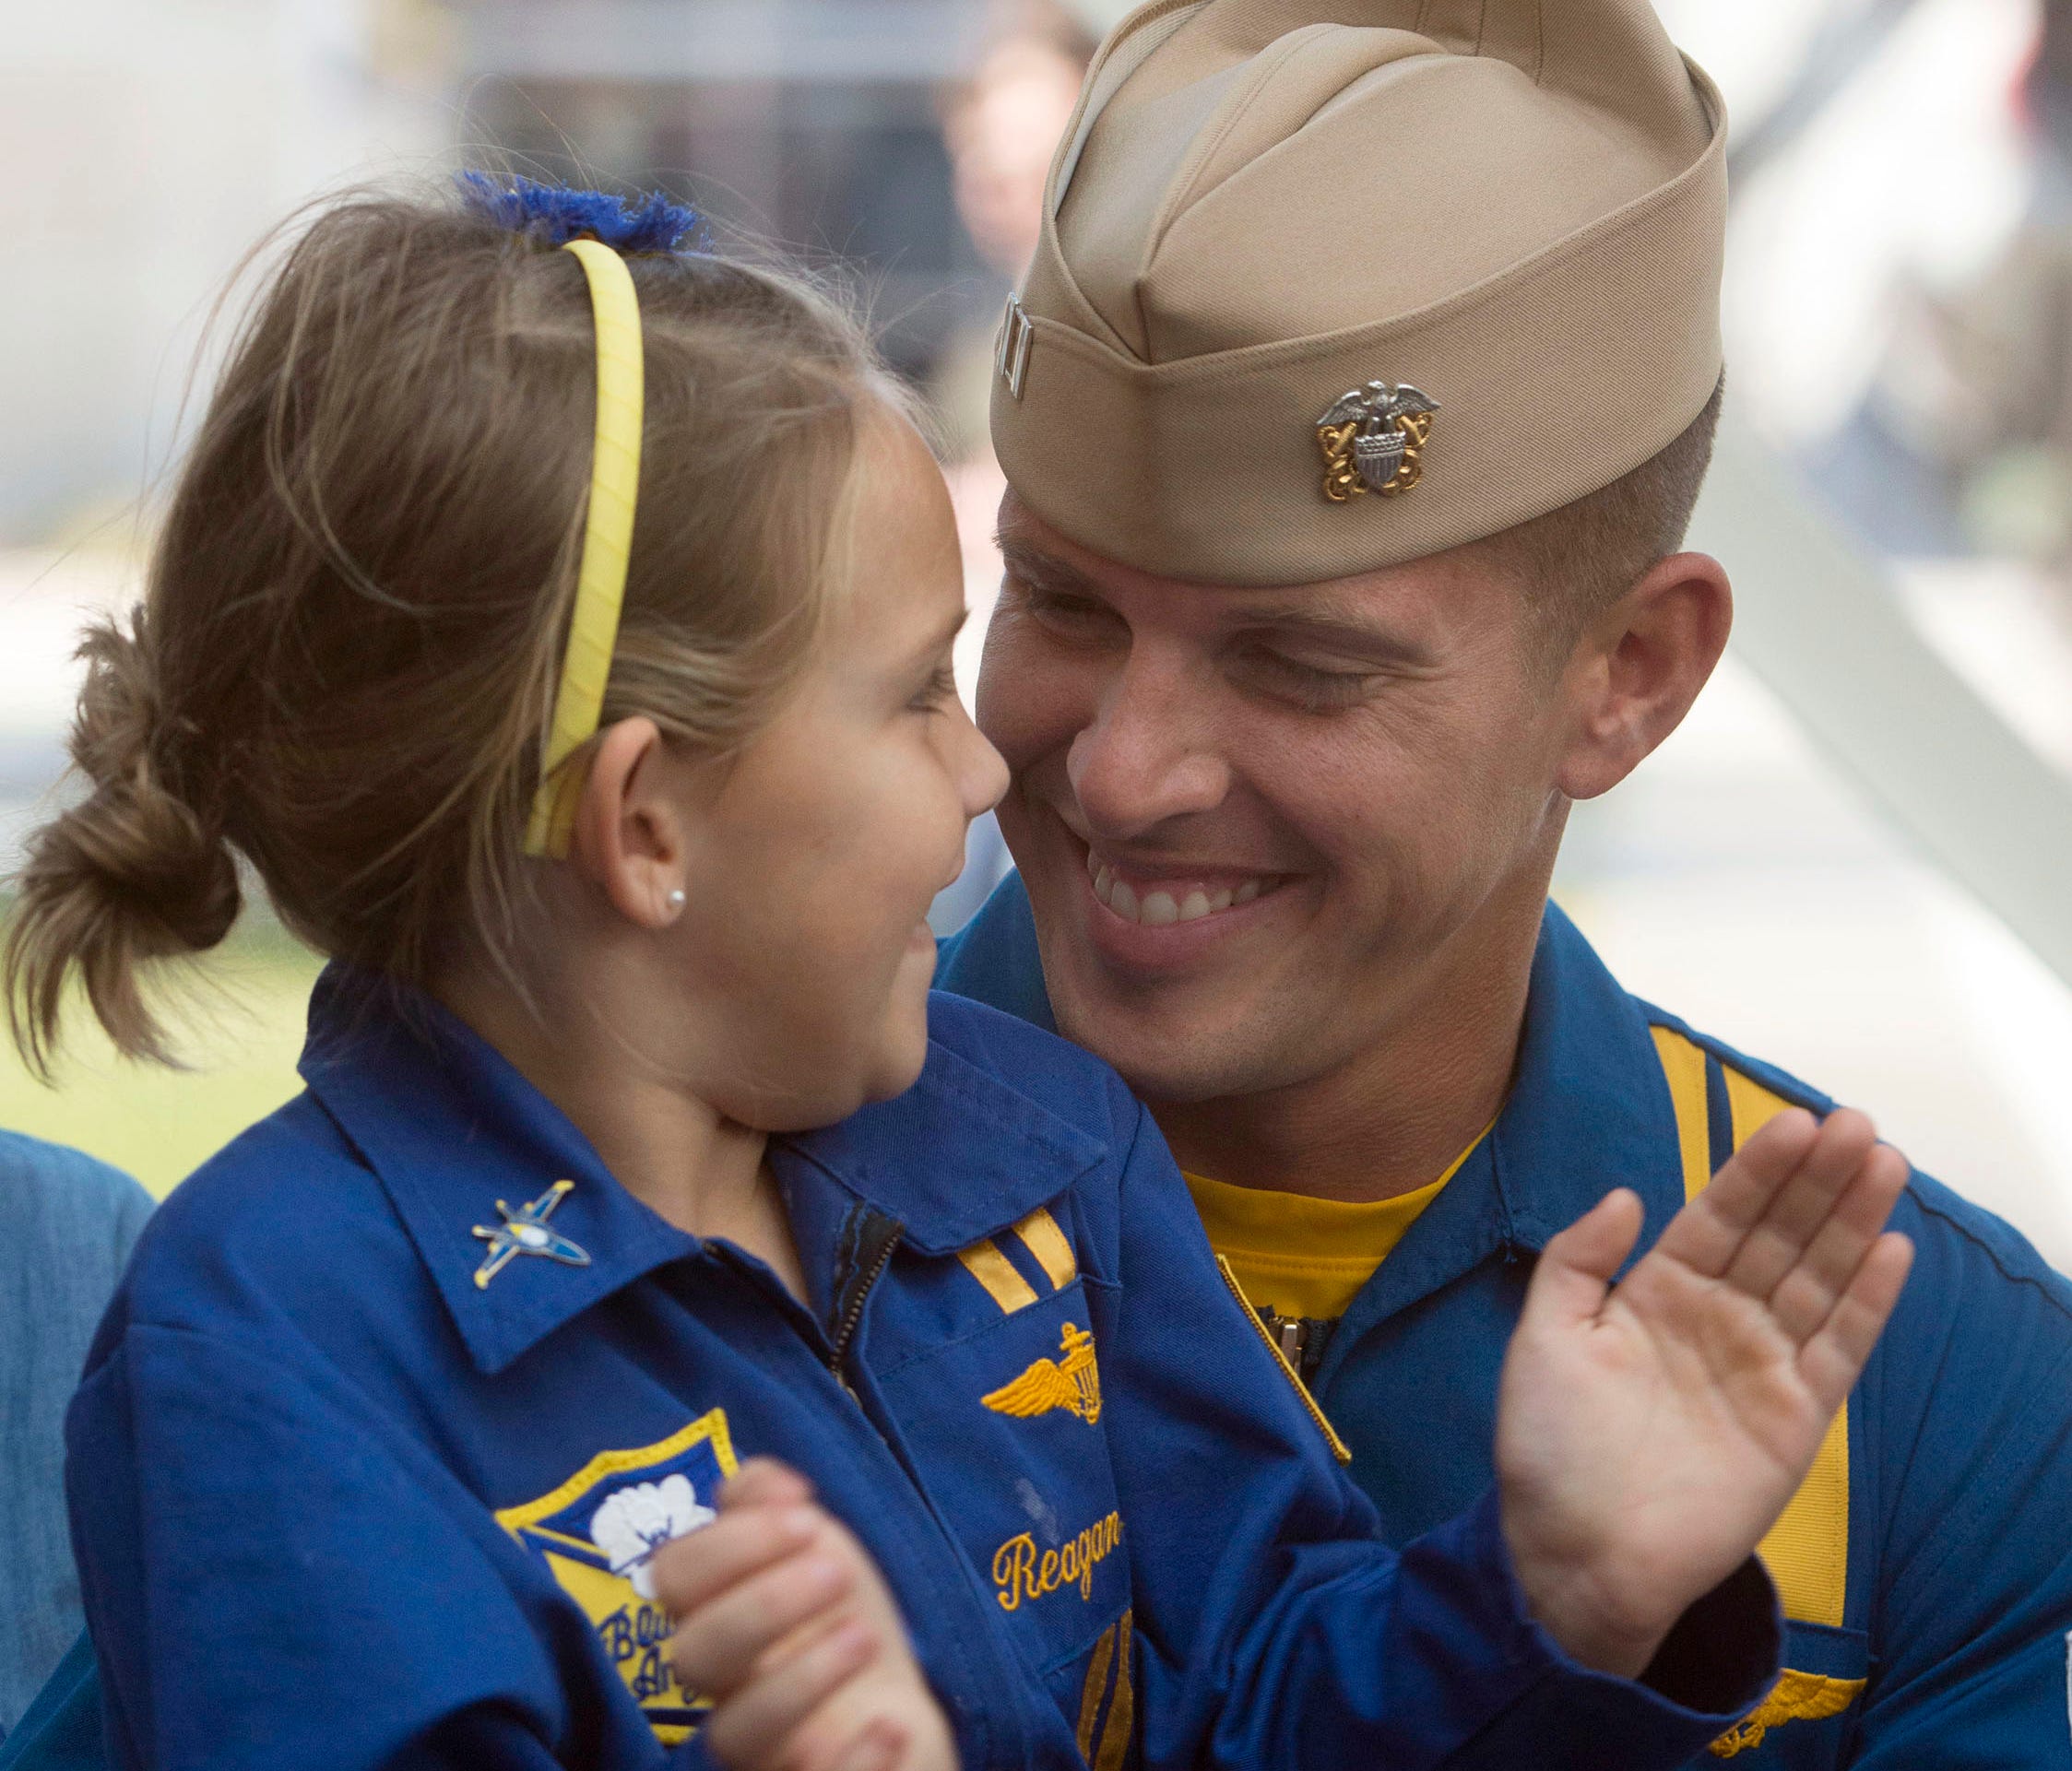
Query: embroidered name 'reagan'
(1020,1573)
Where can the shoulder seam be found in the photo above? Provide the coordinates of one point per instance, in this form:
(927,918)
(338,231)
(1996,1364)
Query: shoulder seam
(1803,1095)
(1934,1211)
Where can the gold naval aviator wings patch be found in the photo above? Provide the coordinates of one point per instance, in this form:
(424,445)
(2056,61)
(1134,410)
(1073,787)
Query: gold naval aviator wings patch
(597,1534)
(1072,1383)
(1796,1697)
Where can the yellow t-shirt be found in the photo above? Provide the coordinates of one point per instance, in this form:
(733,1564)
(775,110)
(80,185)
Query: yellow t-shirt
(1300,1256)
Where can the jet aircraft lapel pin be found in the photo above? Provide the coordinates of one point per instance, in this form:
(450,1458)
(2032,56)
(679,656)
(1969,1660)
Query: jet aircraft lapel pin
(525,1232)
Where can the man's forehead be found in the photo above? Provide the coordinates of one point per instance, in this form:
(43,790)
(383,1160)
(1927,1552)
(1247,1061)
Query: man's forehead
(1411,594)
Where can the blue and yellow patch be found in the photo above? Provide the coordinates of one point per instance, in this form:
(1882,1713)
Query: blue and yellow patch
(599,1531)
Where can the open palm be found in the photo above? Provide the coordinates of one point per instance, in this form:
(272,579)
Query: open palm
(1648,1433)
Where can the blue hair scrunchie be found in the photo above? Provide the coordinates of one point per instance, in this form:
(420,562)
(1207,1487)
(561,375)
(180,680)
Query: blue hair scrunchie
(554,215)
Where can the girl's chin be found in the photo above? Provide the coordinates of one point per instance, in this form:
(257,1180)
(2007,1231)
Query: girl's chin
(898,1065)
(903,1049)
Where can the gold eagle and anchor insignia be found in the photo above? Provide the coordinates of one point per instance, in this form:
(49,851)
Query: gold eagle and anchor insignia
(1373,441)
(1072,1382)
(1796,1697)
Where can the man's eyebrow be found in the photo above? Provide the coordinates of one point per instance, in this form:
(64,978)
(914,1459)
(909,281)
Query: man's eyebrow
(1336,625)
(1343,629)
(1044,571)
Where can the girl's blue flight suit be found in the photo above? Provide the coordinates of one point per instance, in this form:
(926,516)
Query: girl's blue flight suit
(403,1389)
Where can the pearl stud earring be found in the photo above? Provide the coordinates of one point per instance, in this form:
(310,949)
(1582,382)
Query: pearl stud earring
(677,899)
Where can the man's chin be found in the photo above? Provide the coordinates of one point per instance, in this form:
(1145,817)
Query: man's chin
(1167,1048)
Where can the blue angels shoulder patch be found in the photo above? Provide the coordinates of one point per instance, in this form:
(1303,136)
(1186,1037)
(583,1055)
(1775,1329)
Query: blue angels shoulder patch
(597,1534)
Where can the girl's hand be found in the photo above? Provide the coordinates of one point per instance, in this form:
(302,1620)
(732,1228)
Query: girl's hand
(1648,1436)
(784,1621)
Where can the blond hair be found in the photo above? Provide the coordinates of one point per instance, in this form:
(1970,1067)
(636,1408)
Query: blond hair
(343,666)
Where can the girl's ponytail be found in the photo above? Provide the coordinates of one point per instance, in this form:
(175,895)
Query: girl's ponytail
(138,870)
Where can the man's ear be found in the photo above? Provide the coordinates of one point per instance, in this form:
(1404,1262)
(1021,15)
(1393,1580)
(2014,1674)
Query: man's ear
(630,835)
(1638,666)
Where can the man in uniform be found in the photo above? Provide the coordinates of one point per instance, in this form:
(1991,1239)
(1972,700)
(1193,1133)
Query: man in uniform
(1352,412)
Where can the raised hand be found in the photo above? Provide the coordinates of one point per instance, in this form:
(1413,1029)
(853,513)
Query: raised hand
(1649,1435)
(784,1623)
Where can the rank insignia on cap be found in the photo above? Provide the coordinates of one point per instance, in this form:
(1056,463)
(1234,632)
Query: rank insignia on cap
(1373,441)
(1017,334)
(525,1232)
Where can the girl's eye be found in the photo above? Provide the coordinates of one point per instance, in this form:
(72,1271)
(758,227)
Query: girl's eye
(937,693)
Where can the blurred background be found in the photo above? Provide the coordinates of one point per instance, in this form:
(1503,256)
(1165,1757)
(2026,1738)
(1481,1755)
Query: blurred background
(1844,862)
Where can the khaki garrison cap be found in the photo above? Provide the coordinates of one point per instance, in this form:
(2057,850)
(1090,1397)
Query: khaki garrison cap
(1326,285)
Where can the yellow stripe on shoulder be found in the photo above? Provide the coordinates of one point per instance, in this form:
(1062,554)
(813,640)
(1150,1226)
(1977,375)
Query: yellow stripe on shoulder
(1806,1550)
(1753,1105)
(1683,1067)
(992,1270)
(1042,1238)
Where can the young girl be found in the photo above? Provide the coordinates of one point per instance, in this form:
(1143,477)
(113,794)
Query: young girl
(562,636)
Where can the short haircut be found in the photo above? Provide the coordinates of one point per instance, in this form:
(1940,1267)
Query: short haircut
(1578,560)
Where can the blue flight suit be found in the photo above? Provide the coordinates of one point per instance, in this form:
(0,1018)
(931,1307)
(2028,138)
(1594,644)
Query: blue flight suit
(402,1391)
(1926,1567)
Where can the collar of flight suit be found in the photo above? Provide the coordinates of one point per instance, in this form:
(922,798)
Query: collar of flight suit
(457,1135)
(1589,1110)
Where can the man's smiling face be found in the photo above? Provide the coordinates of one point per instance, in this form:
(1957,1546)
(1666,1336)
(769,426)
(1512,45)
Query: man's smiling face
(1261,829)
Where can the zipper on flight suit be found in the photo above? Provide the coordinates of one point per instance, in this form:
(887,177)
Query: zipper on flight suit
(1303,1340)
(871,1242)
(865,1250)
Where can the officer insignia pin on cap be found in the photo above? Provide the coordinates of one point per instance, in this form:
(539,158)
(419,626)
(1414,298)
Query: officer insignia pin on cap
(1373,441)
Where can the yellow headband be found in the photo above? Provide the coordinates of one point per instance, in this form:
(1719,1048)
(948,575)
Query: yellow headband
(600,584)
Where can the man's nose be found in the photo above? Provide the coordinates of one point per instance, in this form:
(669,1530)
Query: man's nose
(1148,754)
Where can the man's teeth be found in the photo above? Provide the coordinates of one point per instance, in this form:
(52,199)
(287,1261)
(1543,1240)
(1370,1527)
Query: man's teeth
(1158,909)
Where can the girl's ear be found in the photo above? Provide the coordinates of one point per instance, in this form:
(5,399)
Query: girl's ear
(631,835)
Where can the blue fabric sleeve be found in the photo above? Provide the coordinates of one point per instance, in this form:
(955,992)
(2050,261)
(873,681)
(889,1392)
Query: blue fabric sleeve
(1274,1627)
(304,1598)
(1970,1418)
